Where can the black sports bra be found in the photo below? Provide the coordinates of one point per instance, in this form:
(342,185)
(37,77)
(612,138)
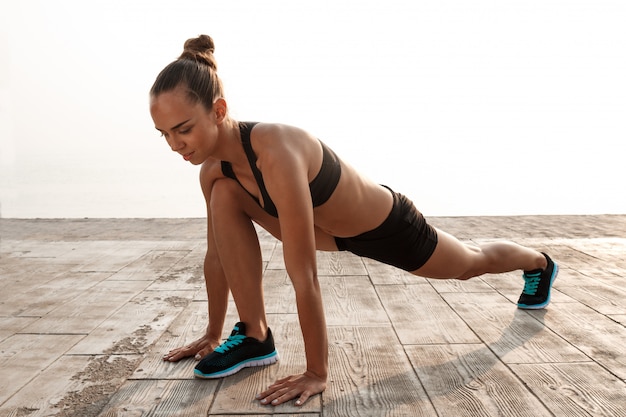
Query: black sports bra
(321,187)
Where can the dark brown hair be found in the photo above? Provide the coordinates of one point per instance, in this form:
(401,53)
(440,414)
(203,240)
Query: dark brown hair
(195,70)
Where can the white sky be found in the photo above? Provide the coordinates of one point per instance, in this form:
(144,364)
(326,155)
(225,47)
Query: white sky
(468,107)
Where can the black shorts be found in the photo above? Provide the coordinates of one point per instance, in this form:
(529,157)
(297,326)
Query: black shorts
(403,240)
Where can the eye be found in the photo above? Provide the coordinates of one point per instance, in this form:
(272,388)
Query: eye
(185,130)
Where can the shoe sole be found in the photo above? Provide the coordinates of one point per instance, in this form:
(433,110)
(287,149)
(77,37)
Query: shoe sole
(555,272)
(258,361)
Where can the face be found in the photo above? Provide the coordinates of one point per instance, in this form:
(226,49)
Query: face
(188,128)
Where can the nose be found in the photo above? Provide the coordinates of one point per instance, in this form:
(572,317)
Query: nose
(175,145)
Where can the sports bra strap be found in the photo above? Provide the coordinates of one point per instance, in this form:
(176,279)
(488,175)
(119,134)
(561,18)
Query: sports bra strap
(245,128)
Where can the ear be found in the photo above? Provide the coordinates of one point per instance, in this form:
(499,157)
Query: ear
(220,109)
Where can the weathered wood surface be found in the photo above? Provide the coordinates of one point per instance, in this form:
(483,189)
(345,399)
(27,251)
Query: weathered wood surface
(88,307)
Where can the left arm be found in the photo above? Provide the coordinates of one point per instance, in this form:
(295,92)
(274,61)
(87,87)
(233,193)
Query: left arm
(285,172)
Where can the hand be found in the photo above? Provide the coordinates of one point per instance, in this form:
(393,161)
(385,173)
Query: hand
(199,349)
(283,390)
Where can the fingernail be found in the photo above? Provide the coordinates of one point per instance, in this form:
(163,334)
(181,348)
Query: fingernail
(275,402)
(298,402)
(198,357)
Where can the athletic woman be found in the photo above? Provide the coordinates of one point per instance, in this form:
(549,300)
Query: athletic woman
(295,187)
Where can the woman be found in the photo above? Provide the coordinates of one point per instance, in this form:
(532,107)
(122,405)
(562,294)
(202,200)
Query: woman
(296,188)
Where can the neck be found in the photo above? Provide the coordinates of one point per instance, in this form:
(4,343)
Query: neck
(230,138)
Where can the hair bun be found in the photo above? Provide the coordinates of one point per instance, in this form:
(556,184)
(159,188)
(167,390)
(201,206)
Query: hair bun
(200,49)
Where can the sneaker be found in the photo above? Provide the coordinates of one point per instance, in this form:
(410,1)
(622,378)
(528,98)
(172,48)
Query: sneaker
(237,352)
(536,293)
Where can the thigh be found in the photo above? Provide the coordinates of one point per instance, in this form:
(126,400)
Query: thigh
(451,259)
(230,190)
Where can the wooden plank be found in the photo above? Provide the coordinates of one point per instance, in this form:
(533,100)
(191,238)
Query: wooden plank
(383,274)
(602,298)
(30,249)
(135,326)
(371,376)
(591,276)
(305,414)
(186,398)
(351,301)
(12,325)
(41,394)
(149,266)
(110,256)
(619,318)
(86,311)
(577,389)
(328,263)
(185,274)
(25,274)
(73,385)
(347,300)
(339,263)
(607,249)
(514,335)
(190,325)
(102,377)
(474,285)
(45,298)
(23,356)
(599,337)
(420,316)
(280,297)
(469,380)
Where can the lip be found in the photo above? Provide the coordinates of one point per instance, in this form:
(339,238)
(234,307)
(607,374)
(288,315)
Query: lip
(187,156)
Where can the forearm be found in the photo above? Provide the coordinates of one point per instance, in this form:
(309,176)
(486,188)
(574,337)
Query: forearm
(217,293)
(313,325)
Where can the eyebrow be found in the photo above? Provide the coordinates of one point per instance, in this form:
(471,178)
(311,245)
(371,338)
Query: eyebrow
(174,127)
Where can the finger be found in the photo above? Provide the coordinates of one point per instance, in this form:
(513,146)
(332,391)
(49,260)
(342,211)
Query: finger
(173,357)
(270,390)
(202,353)
(169,355)
(271,395)
(291,394)
(303,397)
(178,354)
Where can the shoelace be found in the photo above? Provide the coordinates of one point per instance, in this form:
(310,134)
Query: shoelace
(532,283)
(231,342)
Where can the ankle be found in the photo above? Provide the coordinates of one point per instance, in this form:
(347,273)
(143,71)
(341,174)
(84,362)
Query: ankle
(257,330)
(539,263)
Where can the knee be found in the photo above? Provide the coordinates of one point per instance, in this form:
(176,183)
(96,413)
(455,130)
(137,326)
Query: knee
(476,263)
(224,197)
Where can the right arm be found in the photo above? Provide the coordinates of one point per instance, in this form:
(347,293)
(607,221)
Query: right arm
(216,285)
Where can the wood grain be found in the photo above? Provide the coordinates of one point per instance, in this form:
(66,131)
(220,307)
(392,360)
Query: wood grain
(89,306)
(575,389)
(469,380)
(514,335)
(421,316)
(371,376)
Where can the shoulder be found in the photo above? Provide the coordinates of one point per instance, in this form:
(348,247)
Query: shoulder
(275,132)
(273,142)
(210,171)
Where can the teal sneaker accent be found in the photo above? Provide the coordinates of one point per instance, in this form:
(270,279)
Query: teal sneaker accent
(538,286)
(531,283)
(237,352)
(230,343)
